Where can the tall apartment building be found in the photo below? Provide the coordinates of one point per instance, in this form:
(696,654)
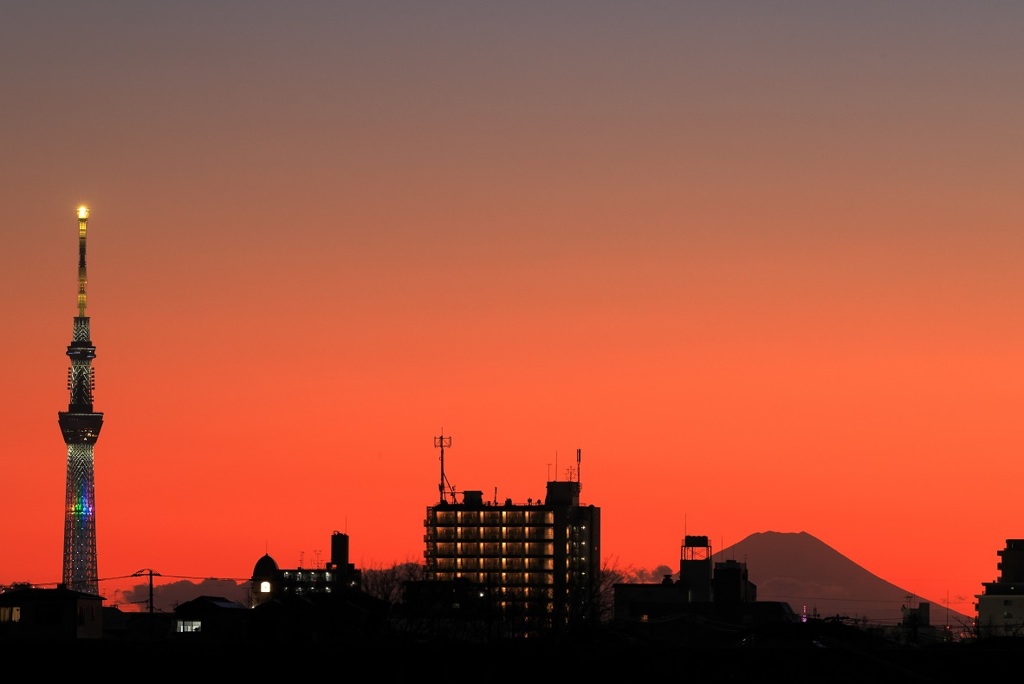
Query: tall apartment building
(536,565)
(1001,606)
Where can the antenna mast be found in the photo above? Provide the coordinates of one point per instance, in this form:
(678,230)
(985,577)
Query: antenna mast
(80,426)
(442,442)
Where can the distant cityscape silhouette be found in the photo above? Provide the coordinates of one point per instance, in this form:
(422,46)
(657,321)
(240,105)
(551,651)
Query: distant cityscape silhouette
(495,573)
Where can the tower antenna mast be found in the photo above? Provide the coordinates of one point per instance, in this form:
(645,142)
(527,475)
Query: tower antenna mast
(442,442)
(80,426)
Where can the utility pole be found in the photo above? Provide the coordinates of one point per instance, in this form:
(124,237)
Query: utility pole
(147,571)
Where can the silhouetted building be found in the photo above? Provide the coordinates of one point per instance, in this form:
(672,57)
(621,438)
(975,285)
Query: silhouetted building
(136,626)
(457,610)
(307,606)
(80,425)
(212,618)
(349,616)
(695,568)
(536,565)
(916,625)
(270,582)
(731,583)
(705,593)
(1001,606)
(50,614)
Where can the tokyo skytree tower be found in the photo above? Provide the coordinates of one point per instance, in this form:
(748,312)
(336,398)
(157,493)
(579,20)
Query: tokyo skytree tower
(80,426)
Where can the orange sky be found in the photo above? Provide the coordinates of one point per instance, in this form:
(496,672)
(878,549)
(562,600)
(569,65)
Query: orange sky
(759,263)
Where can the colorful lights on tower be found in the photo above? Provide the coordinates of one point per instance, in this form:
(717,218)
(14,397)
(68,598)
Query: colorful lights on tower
(80,425)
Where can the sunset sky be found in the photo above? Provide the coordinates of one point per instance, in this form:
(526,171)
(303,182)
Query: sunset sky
(758,261)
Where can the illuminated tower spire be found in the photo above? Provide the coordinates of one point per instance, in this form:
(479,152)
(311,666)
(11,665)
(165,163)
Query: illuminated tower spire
(80,426)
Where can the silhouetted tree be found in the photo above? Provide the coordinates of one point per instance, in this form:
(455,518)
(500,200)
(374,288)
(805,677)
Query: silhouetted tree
(387,584)
(611,574)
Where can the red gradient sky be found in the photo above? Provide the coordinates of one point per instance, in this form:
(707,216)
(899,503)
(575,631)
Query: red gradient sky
(759,262)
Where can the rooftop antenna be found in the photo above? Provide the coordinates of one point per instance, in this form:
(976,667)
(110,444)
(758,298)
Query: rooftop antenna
(442,442)
(578,465)
(83,217)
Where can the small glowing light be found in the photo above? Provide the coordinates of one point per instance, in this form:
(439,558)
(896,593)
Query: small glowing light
(83,212)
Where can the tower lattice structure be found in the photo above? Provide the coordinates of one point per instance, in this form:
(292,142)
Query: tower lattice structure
(80,425)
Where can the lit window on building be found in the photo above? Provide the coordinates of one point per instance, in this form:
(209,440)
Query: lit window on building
(189,626)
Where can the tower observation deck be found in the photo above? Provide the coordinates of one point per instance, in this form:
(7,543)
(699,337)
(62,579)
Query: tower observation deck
(80,425)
